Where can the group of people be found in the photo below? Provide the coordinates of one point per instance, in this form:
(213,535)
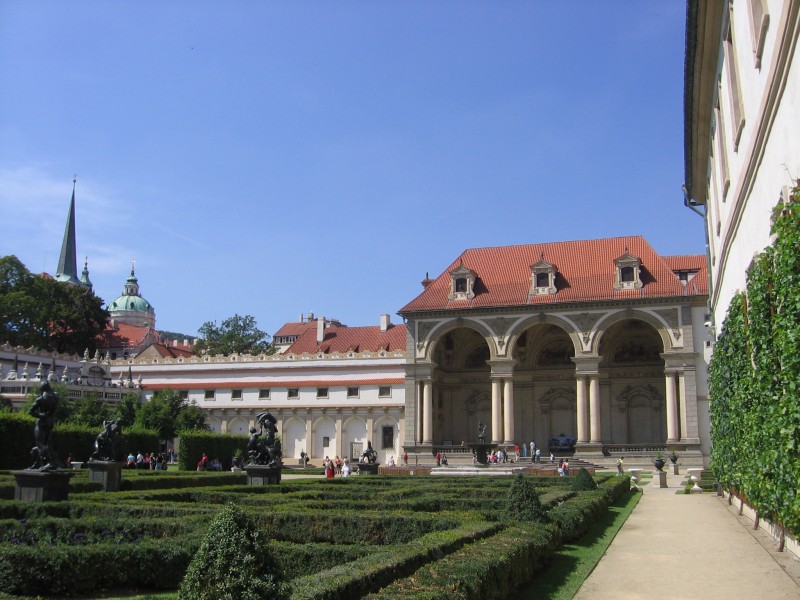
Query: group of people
(336,467)
(152,461)
(204,464)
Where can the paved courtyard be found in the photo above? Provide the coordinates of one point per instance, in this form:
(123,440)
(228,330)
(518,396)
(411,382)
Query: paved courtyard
(676,546)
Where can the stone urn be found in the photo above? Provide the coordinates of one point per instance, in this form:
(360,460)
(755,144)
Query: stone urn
(659,463)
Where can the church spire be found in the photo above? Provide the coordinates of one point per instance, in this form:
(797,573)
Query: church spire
(85,274)
(67,263)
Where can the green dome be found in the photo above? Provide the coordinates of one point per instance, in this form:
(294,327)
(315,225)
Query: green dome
(131,303)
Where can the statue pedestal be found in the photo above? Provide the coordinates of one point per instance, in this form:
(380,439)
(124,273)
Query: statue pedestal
(368,468)
(661,478)
(481,450)
(107,473)
(263,475)
(41,486)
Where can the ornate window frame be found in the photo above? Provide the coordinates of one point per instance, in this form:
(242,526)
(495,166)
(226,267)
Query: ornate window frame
(625,279)
(543,272)
(462,284)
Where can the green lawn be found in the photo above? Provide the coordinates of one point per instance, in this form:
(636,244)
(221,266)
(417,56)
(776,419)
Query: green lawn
(562,578)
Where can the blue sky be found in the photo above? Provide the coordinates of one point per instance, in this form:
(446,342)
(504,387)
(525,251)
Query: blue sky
(273,158)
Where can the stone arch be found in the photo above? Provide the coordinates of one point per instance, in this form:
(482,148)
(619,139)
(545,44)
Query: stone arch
(437,333)
(238,426)
(354,431)
(293,438)
(642,406)
(214,423)
(324,427)
(524,325)
(606,322)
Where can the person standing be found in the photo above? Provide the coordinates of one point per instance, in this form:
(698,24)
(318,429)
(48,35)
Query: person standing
(620,465)
(533,449)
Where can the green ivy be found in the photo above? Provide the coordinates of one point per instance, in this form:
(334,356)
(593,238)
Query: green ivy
(754,379)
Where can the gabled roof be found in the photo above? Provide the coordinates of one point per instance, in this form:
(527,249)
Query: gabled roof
(167,351)
(586,272)
(351,339)
(295,328)
(686,263)
(122,335)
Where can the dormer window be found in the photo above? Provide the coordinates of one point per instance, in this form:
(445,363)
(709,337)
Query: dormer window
(462,284)
(543,278)
(629,272)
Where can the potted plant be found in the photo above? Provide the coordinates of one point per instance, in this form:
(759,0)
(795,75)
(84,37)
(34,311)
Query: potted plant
(658,461)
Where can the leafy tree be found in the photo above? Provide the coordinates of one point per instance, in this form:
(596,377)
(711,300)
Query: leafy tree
(89,410)
(234,561)
(163,413)
(523,501)
(236,335)
(126,409)
(191,417)
(44,313)
(5,403)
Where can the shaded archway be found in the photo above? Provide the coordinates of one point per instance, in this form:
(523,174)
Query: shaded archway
(461,387)
(632,376)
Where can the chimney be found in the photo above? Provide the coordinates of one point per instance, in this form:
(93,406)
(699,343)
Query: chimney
(310,317)
(302,318)
(320,328)
(185,342)
(174,342)
(385,322)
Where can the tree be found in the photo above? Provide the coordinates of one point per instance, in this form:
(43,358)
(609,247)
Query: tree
(163,413)
(46,314)
(234,561)
(89,410)
(236,335)
(192,418)
(523,501)
(5,404)
(126,409)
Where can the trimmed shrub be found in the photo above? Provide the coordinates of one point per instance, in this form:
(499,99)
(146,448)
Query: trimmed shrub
(523,501)
(215,445)
(234,562)
(583,482)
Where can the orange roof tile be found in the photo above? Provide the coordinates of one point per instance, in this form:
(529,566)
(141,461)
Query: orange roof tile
(585,272)
(295,328)
(122,335)
(351,339)
(692,262)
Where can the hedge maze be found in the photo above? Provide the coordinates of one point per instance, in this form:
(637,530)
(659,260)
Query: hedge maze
(378,537)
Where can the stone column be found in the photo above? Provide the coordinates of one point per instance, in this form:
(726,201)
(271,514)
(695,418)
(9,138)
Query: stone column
(582,410)
(497,433)
(673,433)
(370,427)
(596,434)
(309,434)
(339,445)
(418,413)
(508,410)
(427,412)
(687,389)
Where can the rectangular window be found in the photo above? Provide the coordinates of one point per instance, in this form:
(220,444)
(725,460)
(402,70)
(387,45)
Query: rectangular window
(209,395)
(734,93)
(236,395)
(384,391)
(352,392)
(294,393)
(184,394)
(387,437)
(759,22)
(263,394)
(326,441)
(322,392)
(722,154)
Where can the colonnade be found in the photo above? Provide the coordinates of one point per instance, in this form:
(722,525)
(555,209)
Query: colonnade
(680,414)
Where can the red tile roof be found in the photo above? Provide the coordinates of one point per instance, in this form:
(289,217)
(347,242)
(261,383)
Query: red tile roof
(692,262)
(585,272)
(170,351)
(351,339)
(295,328)
(122,335)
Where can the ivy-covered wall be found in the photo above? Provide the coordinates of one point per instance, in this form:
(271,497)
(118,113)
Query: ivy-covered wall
(754,379)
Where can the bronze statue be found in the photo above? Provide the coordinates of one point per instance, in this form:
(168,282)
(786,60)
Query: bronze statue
(481,432)
(44,409)
(266,451)
(369,455)
(107,441)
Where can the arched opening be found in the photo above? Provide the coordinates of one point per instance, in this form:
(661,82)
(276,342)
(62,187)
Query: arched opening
(461,388)
(632,384)
(293,440)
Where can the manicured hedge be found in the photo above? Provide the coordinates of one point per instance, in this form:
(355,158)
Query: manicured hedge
(754,379)
(222,446)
